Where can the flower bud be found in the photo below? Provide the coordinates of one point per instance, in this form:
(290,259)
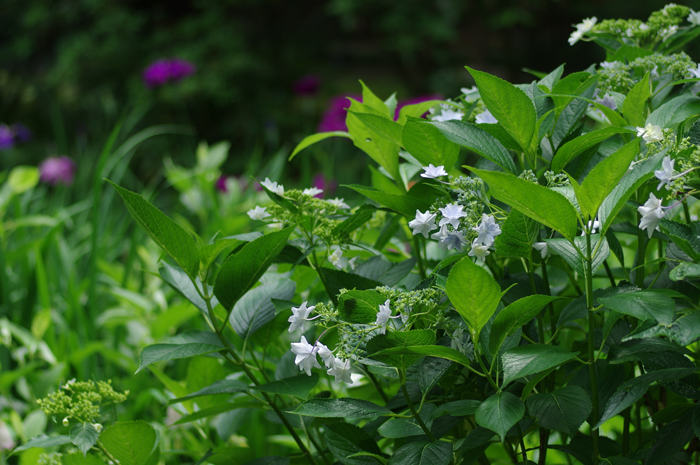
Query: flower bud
(65,421)
(98,427)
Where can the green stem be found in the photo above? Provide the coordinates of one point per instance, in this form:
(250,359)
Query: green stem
(548,291)
(377,386)
(416,251)
(626,431)
(609,273)
(686,210)
(522,442)
(591,348)
(419,420)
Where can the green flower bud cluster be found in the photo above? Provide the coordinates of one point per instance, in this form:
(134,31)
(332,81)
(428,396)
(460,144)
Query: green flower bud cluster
(81,400)
(528,175)
(556,180)
(659,27)
(53,458)
(406,301)
(688,158)
(479,108)
(620,77)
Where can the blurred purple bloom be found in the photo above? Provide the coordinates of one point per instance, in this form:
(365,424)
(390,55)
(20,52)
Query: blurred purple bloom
(221,184)
(334,117)
(57,170)
(307,86)
(323,183)
(413,101)
(161,71)
(7,139)
(21,132)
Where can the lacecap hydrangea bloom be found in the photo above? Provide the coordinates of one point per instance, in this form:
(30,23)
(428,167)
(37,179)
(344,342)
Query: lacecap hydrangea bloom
(57,170)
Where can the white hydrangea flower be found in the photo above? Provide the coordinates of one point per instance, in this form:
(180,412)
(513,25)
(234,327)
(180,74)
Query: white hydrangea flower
(575,37)
(337,259)
(479,251)
(652,214)
(665,174)
(384,315)
(650,133)
(542,248)
(325,354)
(486,118)
(668,32)
(448,114)
(273,186)
(258,213)
(488,229)
(593,225)
(341,369)
(449,239)
(609,64)
(339,203)
(431,172)
(451,213)
(300,315)
(352,262)
(312,191)
(305,355)
(582,28)
(423,223)
(694,17)
(695,72)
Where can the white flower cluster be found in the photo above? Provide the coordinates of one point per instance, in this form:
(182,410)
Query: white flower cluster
(581,29)
(487,229)
(652,213)
(447,113)
(306,360)
(650,133)
(340,262)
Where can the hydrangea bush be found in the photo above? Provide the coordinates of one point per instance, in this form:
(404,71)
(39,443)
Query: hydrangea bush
(536,305)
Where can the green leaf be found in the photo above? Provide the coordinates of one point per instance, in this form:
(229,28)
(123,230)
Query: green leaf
(567,251)
(42,441)
(381,125)
(224,386)
(500,412)
(378,147)
(532,358)
(399,428)
(255,309)
(359,307)
(209,252)
(335,280)
(377,346)
(23,178)
(78,459)
(163,352)
(406,204)
(358,219)
(423,453)
(416,110)
(313,138)
(629,184)
(345,440)
(645,305)
(474,294)
(539,203)
(241,271)
(675,111)
(550,80)
(340,408)
(458,408)
(670,439)
(169,236)
(509,105)
(603,178)
(430,372)
(130,442)
(427,350)
(518,233)
(388,273)
(577,146)
(298,386)
(217,409)
(634,106)
(178,280)
(564,409)
(371,100)
(477,140)
(685,270)
(84,436)
(683,236)
(425,142)
(514,316)
(280,200)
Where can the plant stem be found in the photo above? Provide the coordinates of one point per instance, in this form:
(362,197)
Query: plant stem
(376,384)
(609,273)
(419,420)
(522,442)
(416,251)
(591,349)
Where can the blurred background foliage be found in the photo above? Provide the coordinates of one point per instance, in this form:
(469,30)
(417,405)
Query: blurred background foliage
(69,69)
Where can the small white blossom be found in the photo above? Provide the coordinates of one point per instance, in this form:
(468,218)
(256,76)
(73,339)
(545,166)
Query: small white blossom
(542,248)
(451,214)
(652,214)
(305,355)
(423,223)
(694,17)
(341,369)
(668,32)
(312,191)
(449,239)
(587,24)
(609,64)
(352,262)
(325,354)
(694,72)
(97,426)
(258,213)
(650,133)
(488,229)
(65,421)
(479,251)
(448,114)
(593,226)
(273,186)
(300,315)
(486,118)
(337,259)
(665,174)
(575,37)
(432,172)
(384,315)
(339,203)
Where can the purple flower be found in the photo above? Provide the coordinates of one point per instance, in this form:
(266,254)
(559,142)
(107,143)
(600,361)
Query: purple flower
(326,185)
(334,117)
(307,86)
(221,184)
(57,170)
(21,132)
(161,71)
(7,139)
(413,101)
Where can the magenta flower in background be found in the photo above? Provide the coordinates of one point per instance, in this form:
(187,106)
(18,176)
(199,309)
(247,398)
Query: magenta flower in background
(307,86)
(323,183)
(221,184)
(57,170)
(21,132)
(162,71)
(7,139)
(334,117)
(414,100)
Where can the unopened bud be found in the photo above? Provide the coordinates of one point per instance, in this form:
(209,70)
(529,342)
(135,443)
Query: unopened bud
(98,427)
(65,421)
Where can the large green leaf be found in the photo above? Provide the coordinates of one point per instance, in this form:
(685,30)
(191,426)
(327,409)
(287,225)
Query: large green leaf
(634,106)
(614,202)
(298,386)
(427,350)
(78,459)
(532,358)
(564,409)
(84,436)
(385,127)
(603,178)
(518,233)
(335,280)
(539,203)
(514,316)
(130,442)
(509,105)
(377,346)
(406,204)
(500,412)
(242,270)
(478,140)
(683,236)
(255,309)
(563,248)
(224,386)
(178,280)
(670,439)
(359,307)
(474,294)
(358,219)
(163,352)
(645,305)
(675,111)
(340,408)
(425,142)
(416,110)
(313,138)
(169,236)
(423,453)
(347,441)
(43,442)
(379,148)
